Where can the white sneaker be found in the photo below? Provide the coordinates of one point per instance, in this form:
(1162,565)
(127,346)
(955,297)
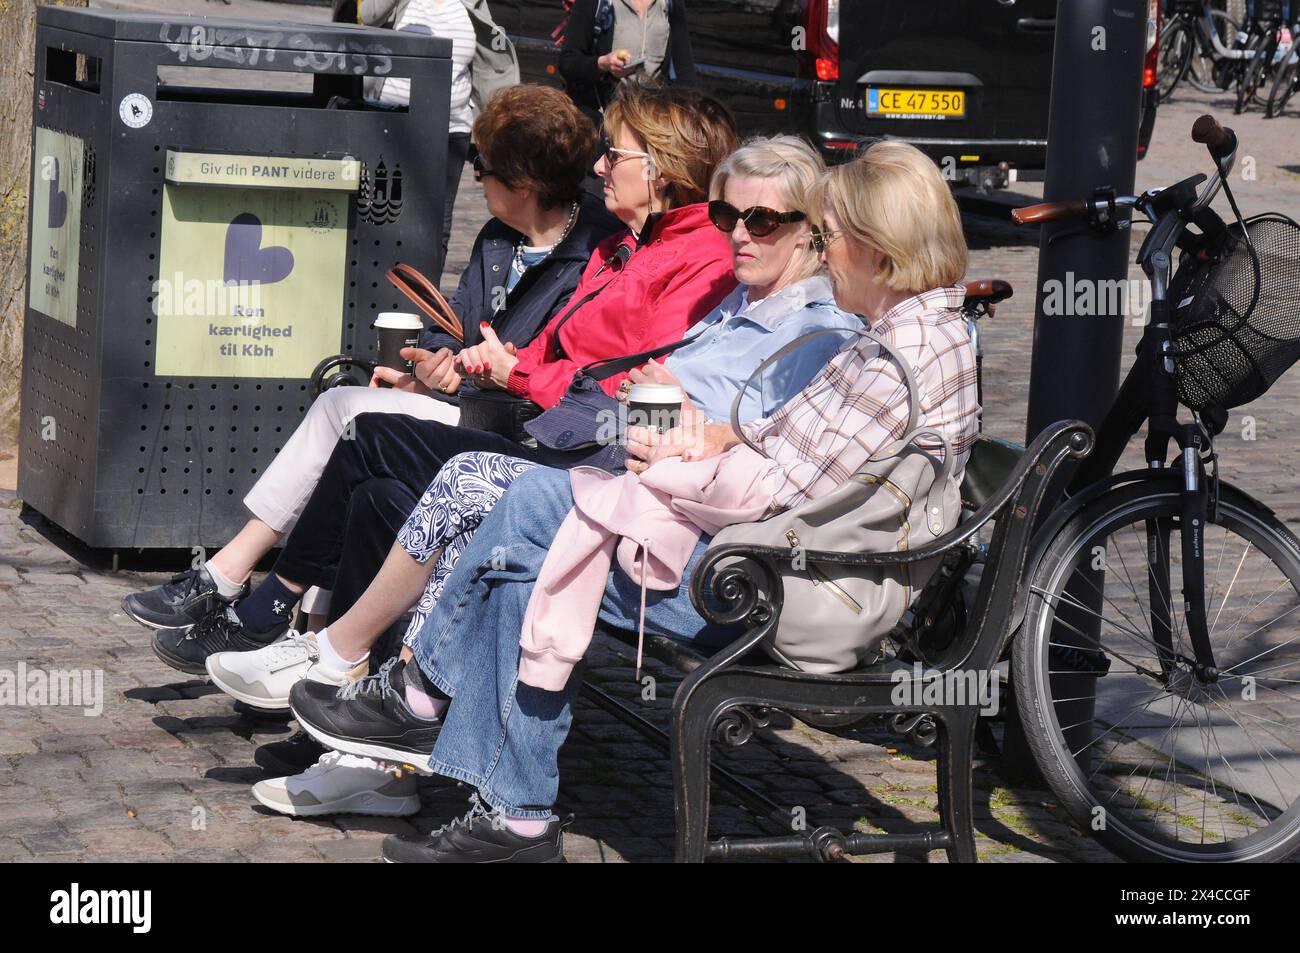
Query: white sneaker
(262,678)
(342,784)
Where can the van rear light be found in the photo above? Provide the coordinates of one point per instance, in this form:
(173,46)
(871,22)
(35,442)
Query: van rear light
(1151,63)
(823,38)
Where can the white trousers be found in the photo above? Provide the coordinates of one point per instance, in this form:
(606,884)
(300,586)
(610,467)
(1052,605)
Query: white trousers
(278,497)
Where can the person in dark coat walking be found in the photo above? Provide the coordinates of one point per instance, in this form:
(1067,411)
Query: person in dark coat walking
(609,41)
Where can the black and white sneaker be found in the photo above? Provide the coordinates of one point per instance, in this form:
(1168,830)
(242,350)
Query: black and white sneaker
(187,650)
(178,604)
(480,837)
(368,717)
(294,755)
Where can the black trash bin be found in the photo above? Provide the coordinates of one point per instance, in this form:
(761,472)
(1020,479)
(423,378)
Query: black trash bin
(200,237)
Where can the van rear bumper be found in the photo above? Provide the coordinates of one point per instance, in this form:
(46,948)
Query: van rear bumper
(955,154)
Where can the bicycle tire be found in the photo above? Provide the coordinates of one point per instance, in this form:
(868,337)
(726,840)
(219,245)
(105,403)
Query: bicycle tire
(1173,58)
(1253,76)
(1200,68)
(1034,655)
(1284,87)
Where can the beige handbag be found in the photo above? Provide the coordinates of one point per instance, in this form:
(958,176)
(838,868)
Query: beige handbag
(835,617)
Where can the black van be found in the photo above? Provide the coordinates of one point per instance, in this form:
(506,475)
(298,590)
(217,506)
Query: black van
(967,81)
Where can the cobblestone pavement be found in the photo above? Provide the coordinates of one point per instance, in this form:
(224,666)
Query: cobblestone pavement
(163,772)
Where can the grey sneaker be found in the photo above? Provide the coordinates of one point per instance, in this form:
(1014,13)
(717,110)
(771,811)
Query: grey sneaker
(180,603)
(342,784)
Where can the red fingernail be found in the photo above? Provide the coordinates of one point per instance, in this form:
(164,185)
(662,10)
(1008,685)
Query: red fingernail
(484,324)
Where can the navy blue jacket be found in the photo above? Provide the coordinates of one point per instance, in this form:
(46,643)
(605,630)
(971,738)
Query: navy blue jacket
(540,294)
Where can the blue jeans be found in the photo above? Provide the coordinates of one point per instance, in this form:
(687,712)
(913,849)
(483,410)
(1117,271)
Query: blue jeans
(503,737)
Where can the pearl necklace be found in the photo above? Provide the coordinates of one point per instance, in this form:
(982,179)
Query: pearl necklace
(518,264)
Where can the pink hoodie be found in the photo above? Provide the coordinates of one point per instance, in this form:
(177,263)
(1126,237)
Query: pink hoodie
(659,517)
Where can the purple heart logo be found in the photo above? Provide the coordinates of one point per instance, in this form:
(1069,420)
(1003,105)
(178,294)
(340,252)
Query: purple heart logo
(247,260)
(58,204)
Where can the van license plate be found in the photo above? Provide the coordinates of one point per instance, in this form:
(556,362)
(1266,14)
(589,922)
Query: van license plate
(915,103)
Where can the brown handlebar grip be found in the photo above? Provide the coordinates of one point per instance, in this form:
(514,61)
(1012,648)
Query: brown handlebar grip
(1050,212)
(1208,132)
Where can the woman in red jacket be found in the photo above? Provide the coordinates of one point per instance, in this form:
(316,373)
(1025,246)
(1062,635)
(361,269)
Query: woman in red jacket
(640,290)
(645,287)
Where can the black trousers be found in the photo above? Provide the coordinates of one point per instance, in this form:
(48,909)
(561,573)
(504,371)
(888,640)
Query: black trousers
(457,153)
(369,487)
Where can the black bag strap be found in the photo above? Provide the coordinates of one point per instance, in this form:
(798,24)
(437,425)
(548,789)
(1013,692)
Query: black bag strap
(609,366)
(559,348)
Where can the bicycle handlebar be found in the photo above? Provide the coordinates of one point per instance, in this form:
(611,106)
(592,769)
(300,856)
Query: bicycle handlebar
(1222,144)
(1218,139)
(1050,212)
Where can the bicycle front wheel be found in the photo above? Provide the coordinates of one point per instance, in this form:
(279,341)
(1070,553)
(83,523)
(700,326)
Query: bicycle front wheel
(1284,87)
(1158,764)
(1256,72)
(1173,58)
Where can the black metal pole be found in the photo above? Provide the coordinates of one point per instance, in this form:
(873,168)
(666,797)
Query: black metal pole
(1092,141)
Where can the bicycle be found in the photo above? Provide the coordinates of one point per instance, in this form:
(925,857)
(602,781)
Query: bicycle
(1285,85)
(1168,723)
(1268,19)
(1195,37)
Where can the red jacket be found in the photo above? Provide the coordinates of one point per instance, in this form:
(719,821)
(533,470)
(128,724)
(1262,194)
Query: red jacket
(676,275)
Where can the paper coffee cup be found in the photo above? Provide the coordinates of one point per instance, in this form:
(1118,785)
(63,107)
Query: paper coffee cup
(396,331)
(654,405)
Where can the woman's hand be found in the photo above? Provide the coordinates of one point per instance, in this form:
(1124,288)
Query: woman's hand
(436,370)
(654,373)
(614,62)
(433,371)
(694,440)
(650,373)
(487,365)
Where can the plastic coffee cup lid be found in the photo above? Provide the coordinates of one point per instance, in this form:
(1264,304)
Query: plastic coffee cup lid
(398,320)
(654,394)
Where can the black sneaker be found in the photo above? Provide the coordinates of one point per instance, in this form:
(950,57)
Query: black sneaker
(180,603)
(294,755)
(480,837)
(187,650)
(369,717)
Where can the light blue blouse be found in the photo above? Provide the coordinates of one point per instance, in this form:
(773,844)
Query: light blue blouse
(730,343)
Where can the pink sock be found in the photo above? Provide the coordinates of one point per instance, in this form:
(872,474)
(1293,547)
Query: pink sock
(525,826)
(423,704)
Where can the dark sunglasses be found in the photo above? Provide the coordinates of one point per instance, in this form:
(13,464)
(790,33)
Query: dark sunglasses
(481,171)
(759,221)
(821,238)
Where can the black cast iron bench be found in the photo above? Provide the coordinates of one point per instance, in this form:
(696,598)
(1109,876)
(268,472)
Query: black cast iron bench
(726,696)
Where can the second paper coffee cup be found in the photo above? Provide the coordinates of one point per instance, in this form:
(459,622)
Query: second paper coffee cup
(654,405)
(396,331)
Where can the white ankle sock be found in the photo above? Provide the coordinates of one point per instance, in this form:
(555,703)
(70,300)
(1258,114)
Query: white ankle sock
(525,826)
(330,658)
(227,588)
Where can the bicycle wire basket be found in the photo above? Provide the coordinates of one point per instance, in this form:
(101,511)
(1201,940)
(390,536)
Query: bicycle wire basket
(1230,346)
